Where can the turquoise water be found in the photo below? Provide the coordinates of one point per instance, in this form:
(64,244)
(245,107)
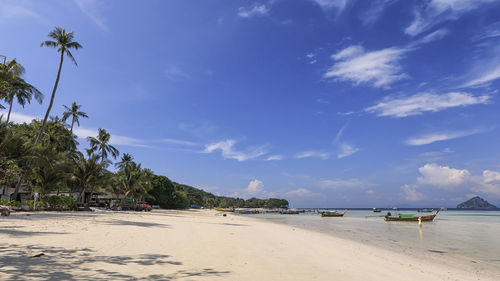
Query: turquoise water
(473,236)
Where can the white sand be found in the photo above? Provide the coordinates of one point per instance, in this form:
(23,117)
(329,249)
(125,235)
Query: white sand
(194,245)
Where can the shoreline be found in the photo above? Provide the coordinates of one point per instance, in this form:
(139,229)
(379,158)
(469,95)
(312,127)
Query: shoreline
(195,245)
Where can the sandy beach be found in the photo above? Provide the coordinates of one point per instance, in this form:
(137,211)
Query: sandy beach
(195,245)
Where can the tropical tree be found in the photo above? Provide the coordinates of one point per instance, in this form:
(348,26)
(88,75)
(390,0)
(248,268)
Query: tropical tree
(102,146)
(74,113)
(16,89)
(88,173)
(63,41)
(134,181)
(125,161)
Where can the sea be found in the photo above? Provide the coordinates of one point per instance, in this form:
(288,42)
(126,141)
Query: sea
(471,236)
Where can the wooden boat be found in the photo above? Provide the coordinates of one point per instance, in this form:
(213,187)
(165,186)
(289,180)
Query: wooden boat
(425,210)
(332,213)
(411,217)
(375,210)
(224,209)
(289,212)
(248,212)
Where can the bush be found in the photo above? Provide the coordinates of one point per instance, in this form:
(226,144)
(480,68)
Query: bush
(39,205)
(58,202)
(180,200)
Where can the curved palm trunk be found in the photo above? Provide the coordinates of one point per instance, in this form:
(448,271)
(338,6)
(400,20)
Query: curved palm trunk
(39,137)
(51,99)
(10,109)
(72,123)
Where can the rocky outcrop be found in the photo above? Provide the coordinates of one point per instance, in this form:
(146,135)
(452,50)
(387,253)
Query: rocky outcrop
(476,203)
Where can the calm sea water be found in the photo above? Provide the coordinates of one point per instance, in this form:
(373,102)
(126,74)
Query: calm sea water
(468,235)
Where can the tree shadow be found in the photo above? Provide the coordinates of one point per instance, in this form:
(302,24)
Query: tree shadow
(134,223)
(13,231)
(25,263)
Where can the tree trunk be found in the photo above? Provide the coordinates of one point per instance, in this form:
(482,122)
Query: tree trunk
(10,109)
(38,138)
(72,123)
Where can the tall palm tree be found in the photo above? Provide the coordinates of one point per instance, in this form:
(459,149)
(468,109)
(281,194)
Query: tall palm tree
(125,162)
(16,88)
(88,173)
(74,113)
(63,42)
(102,146)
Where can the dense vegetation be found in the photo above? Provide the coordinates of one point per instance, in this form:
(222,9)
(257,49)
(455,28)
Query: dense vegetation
(44,156)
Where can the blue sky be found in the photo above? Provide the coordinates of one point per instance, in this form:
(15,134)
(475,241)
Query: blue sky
(324,102)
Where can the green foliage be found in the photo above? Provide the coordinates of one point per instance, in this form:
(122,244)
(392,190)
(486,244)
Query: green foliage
(59,203)
(180,200)
(40,205)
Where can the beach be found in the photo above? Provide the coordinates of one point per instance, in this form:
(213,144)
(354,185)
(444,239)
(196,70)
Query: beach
(198,245)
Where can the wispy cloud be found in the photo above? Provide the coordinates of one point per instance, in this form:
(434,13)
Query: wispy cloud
(328,5)
(18,118)
(376,9)
(301,193)
(411,193)
(311,153)
(342,183)
(443,136)
(254,10)
(424,102)
(92,9)
(275,157)
(11,11)
(229,152)
(346,150)
(431,13)
(176,73)
(180,142)
(378,68)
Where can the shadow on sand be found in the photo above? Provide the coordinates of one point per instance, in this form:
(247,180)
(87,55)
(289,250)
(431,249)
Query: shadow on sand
(17,263)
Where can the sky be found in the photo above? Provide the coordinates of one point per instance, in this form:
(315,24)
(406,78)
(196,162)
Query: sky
(327,103)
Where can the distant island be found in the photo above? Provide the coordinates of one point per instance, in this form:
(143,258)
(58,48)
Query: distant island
(476,203)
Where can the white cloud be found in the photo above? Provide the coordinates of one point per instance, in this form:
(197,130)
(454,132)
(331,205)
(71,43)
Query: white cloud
(411,193)
(378,68)
(17,117)
(92,9)
(422,102)
(342,183)
(346,150)
(180,142)
(434,137)
(275,157)
(442,176)
(488,73)
(10,11)
(83,133)
(433,12)
(228,151)
(310,153)
(489,183)
(433,36)
(176,73)
(332,4)
(301,193)
(253,10)
(255,187)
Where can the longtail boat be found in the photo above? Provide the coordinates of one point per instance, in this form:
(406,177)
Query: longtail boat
(411,217)
(248,212)
(289,212)
(224,209)
(332,213)
(375,210)
(425,210)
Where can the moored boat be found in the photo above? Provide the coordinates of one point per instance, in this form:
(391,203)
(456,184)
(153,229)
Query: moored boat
(410,217)
(289,212)
(375,210)
(333,213)
(248,212)
(224,209)
(425,210)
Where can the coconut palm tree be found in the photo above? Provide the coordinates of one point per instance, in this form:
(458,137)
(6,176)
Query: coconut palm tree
(74,113)
(88,173)
(102,146)
(16,88)
(126,160)
(63,42)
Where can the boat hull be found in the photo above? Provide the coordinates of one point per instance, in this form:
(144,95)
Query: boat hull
(333,214)
(422,218)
